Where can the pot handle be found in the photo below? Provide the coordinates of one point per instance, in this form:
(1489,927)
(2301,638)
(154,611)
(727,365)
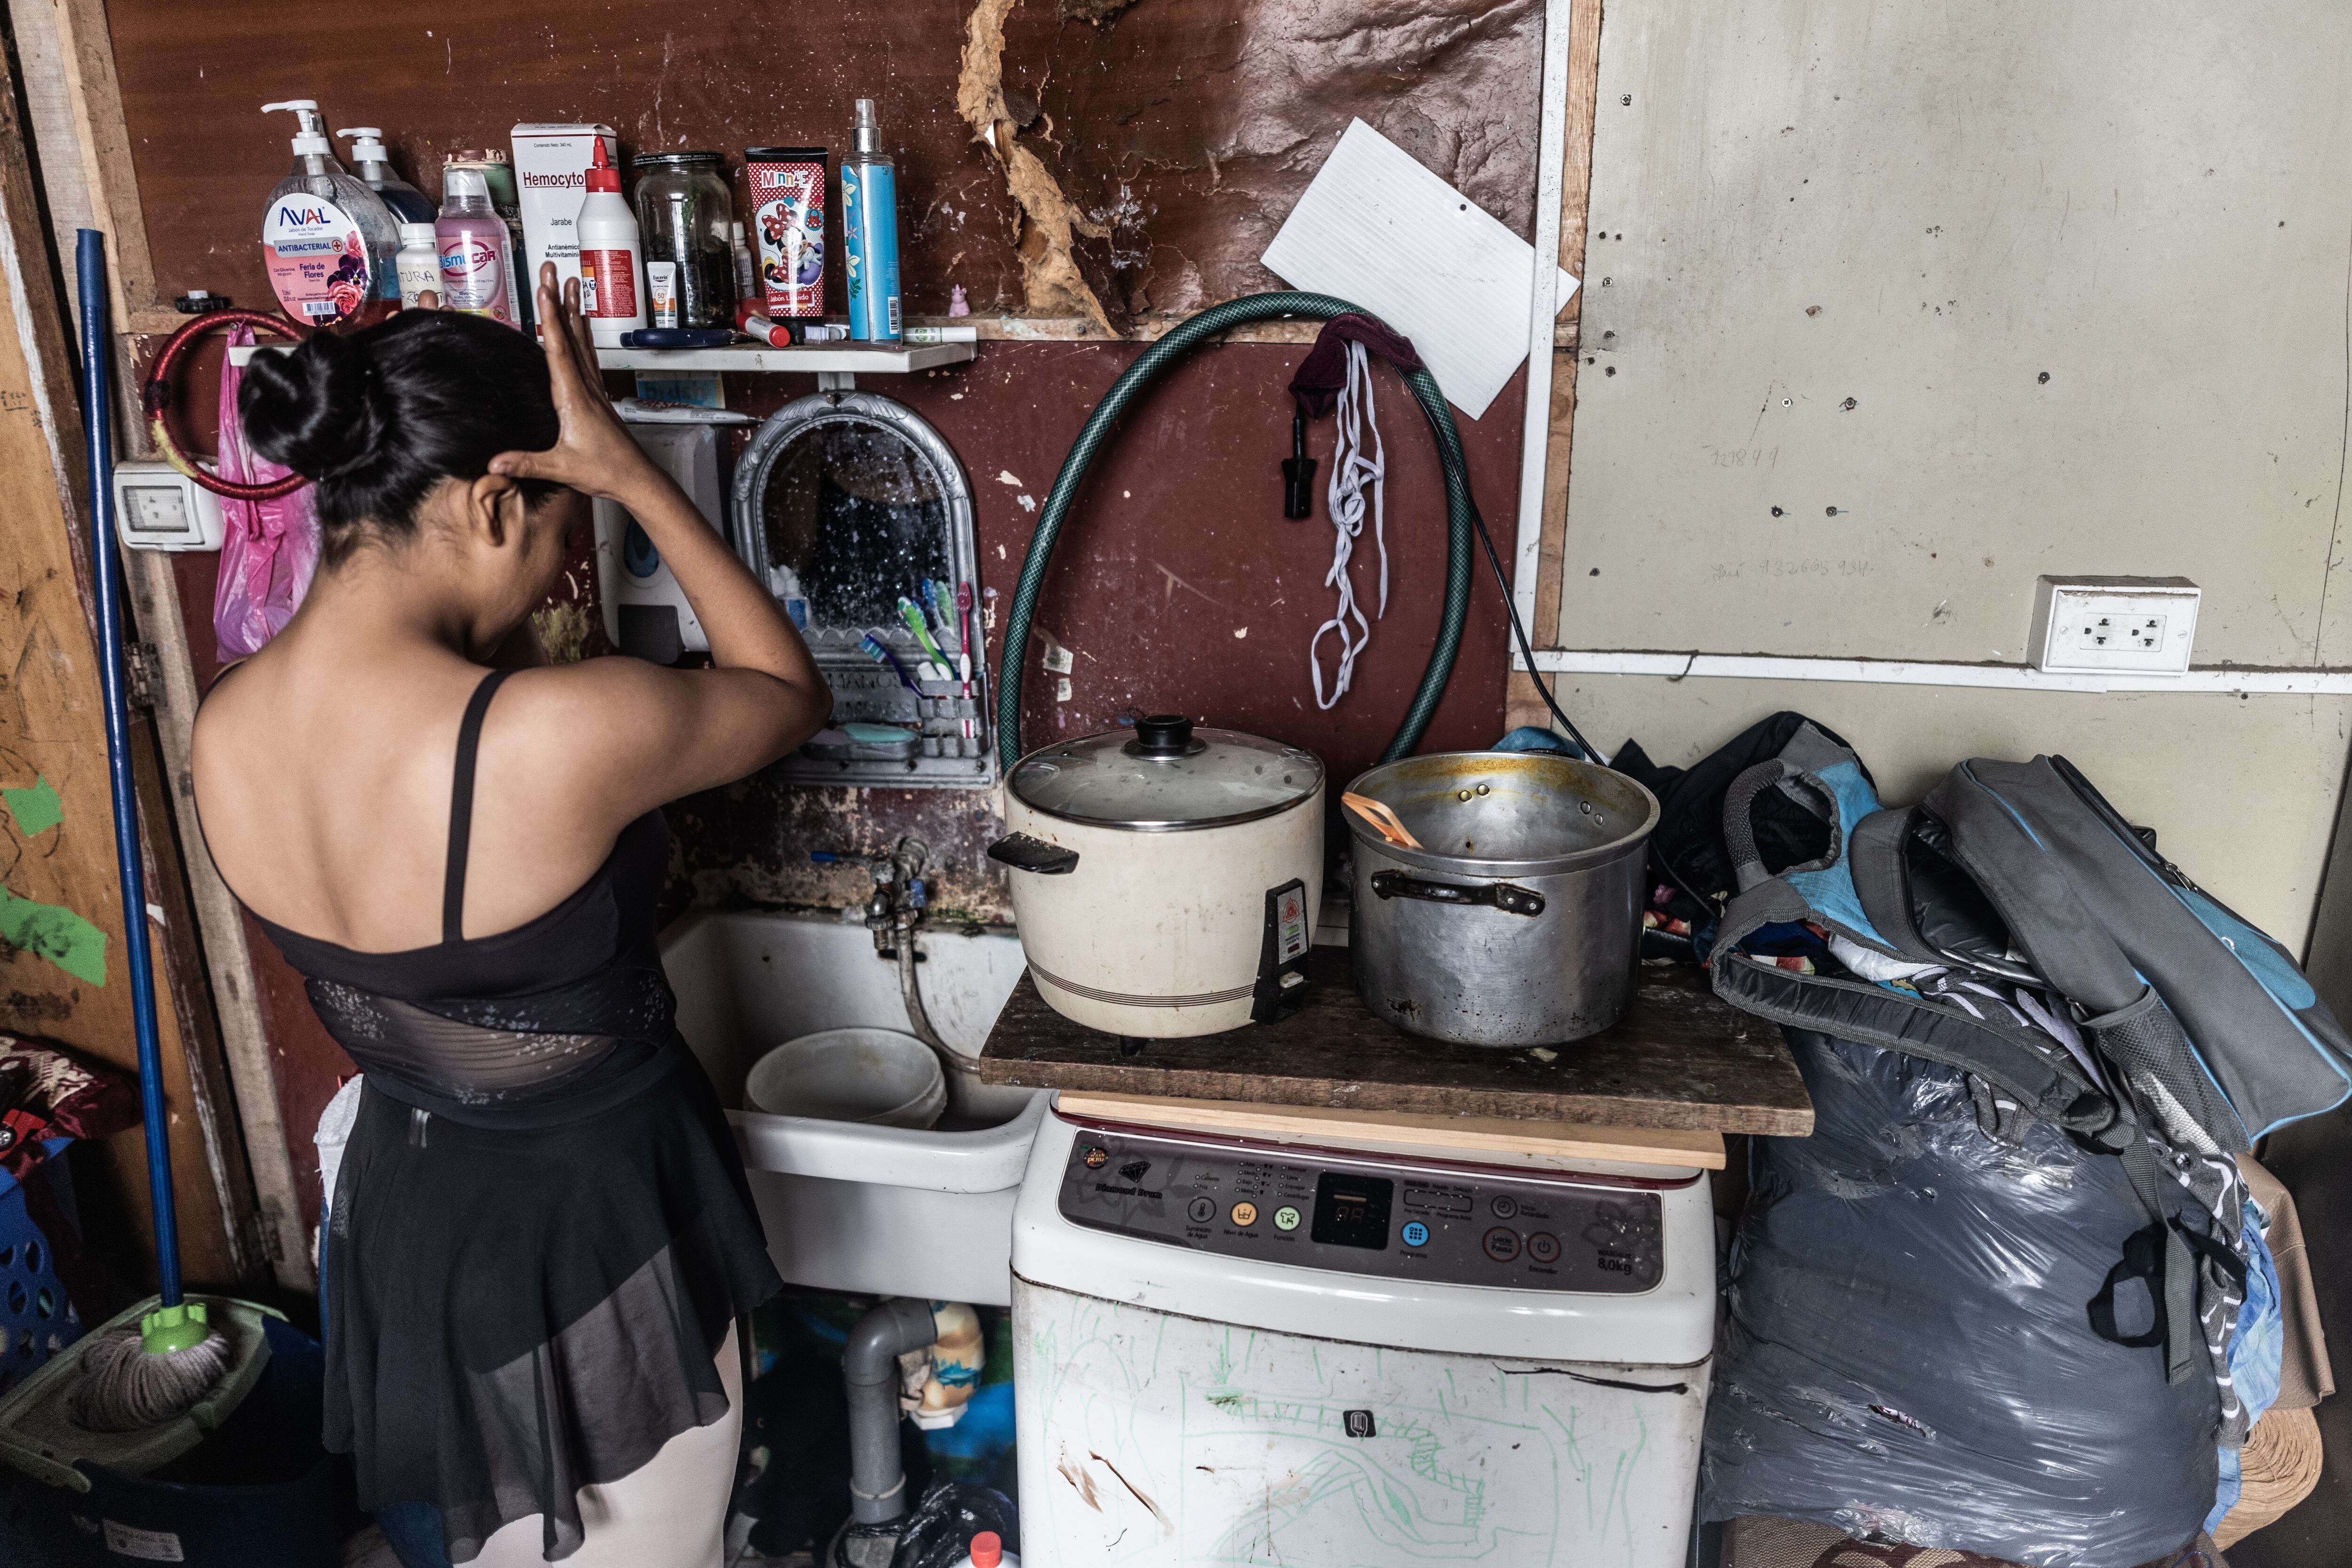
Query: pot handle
(1507,896)
(1023,853)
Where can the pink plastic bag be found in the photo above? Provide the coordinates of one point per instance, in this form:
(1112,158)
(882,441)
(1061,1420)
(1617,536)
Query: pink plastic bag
(269,547)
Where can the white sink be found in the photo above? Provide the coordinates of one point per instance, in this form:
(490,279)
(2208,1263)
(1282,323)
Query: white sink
(863,1210)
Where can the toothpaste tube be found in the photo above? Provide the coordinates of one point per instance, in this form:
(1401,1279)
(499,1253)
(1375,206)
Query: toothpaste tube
(942,334)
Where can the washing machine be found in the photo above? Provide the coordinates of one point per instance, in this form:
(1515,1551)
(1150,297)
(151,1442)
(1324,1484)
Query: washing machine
(1233,1352)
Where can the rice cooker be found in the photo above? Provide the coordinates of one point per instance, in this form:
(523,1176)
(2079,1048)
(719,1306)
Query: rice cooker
(1166,879)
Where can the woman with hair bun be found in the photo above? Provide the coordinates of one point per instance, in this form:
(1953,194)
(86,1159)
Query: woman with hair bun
(540,1238)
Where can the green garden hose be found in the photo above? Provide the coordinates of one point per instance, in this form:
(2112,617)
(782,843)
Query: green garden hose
(1459,510)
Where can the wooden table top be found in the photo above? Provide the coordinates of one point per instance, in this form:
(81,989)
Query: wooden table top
(1681,1059)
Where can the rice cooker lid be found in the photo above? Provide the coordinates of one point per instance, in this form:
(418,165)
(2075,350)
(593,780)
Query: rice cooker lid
(1165,775)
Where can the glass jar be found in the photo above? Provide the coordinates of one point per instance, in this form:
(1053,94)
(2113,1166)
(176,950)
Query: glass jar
(685,216)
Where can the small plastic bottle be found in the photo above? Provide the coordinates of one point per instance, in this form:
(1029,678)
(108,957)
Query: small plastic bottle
(373,165)
(419,262)
(988,1551)
(747,271)
(477,264)
(612,256)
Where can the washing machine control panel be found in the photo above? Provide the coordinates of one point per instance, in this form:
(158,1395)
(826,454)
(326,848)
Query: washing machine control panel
(1384,1217)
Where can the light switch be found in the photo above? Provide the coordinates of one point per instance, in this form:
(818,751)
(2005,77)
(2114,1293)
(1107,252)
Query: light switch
(156,507)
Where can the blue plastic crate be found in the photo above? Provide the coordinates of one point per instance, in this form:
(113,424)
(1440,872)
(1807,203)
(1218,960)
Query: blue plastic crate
(37,1318)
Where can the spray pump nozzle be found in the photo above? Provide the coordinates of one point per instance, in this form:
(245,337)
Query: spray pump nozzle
(311,135)
(367,143)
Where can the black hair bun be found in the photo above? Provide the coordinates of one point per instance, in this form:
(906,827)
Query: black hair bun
(310,409)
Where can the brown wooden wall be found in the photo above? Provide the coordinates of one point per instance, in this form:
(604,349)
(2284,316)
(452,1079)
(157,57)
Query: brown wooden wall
(1183,130)
(1189,125)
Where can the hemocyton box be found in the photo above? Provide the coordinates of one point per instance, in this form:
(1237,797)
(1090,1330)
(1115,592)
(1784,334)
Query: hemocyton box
(551,166)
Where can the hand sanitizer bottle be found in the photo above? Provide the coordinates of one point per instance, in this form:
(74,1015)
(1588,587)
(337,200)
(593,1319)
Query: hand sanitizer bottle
(328,241)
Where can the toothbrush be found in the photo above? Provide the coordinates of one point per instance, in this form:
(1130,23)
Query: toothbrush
(941,606)
(912,614)
(964,630)
(881,654)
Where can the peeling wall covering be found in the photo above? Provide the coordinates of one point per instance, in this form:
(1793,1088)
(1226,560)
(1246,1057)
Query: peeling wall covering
(1167,137)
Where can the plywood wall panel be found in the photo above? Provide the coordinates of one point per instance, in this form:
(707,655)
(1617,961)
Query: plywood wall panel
(1969,295)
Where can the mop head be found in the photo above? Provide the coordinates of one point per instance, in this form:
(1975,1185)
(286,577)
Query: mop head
(145,1376)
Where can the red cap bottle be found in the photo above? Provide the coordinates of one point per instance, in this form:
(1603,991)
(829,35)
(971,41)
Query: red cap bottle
(602,176)
(987,1551)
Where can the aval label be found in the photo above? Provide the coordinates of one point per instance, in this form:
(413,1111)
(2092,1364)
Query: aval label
(318,263)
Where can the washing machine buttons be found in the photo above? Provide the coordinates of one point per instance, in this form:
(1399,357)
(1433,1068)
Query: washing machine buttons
(1244,1214)
(1416,1233)
(1286,1218)
(1502,1243)
(1504,1206)
(1543,1246)
(1201,1211)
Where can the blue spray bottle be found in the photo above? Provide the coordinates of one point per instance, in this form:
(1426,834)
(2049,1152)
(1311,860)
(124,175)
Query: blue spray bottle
(869,218)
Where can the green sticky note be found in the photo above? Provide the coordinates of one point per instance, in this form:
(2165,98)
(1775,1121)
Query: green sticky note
(58,934)
(36,810)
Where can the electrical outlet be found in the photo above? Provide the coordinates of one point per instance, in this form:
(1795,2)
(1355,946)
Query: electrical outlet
(2099,626)
(156,507)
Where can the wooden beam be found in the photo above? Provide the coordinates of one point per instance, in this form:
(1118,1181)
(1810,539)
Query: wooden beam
(1469,1136)
(244,1041)
(85,52)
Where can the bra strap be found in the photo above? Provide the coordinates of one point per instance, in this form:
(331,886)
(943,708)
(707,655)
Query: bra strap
(461,806)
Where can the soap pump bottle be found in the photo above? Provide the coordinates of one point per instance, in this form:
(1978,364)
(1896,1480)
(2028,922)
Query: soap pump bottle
(373,165)
(869,219)
(328,242)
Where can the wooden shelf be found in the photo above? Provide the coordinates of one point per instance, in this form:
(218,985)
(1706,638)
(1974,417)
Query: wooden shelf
(835,359)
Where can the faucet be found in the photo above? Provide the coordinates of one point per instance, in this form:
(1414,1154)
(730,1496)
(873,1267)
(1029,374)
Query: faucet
(900,900)
(894,912)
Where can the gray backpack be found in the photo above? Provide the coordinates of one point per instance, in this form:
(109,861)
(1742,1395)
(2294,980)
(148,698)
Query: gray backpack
(2170,1018)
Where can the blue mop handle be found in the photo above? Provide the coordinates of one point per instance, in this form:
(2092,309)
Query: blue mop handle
(97,427)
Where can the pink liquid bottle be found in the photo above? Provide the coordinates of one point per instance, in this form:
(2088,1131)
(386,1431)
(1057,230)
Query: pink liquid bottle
(478,263)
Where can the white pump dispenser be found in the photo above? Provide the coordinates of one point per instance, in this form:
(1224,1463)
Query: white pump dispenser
(311,135)
(329,241)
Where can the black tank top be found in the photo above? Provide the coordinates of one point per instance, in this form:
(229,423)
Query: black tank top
(562,1018)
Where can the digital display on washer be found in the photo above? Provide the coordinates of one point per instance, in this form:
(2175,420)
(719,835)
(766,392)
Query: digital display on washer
(1352,1211)
(1386,1217)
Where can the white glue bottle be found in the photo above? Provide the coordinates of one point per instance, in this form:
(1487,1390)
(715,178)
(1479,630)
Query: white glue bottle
(612,256)
(477,262)
(988,1551)
(419,263)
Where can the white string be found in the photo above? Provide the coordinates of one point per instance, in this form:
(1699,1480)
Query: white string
(1351,472)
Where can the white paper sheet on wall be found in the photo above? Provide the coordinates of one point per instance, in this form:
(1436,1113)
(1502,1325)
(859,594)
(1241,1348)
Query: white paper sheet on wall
(1376,228)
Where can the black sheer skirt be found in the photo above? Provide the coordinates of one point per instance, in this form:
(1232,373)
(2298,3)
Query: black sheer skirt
(513,1313)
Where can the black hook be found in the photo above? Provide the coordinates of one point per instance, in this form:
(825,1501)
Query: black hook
(1297,470)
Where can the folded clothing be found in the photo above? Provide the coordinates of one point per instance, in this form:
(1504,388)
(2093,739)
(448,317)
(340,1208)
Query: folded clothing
(2304,1376)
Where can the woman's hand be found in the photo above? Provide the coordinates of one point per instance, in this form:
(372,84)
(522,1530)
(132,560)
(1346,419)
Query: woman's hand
(594,453)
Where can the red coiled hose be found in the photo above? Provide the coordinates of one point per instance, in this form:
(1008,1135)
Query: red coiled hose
(155,401)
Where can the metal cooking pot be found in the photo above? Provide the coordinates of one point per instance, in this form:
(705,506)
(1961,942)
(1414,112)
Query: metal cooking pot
(1519,923)
(1166,881)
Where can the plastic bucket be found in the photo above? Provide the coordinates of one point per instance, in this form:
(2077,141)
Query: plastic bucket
(878,1077)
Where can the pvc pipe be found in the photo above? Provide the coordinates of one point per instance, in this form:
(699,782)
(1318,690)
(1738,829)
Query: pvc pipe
(98,428)
(869,1367)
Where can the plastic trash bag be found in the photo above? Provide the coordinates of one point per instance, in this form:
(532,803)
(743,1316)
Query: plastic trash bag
(1906,1351)
(268,548)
